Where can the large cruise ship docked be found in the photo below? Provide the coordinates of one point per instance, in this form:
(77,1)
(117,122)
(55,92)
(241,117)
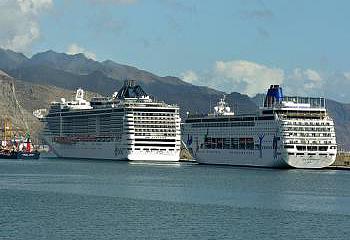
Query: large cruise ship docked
(128,126)
(286,132)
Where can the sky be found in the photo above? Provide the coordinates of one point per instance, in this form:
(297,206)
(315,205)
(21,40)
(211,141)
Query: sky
(230,45)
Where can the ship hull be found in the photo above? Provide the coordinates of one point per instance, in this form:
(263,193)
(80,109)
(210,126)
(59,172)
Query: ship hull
(252,159)
(20,155)
(310,162)
(30,155)
(110,151)
(8,155)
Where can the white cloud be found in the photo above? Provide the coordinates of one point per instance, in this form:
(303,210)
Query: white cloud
(114,1)
(347,75)
(305,82)
(19,22)
(313,75)
(246,77)
(34,6)
(190,76)
(252,78)
(75,49)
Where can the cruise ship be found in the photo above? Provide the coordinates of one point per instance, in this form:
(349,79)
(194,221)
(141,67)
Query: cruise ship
(128,126)
(287,132)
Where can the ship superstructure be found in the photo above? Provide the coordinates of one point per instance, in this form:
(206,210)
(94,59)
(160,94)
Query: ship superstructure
(286,132)
(128,126)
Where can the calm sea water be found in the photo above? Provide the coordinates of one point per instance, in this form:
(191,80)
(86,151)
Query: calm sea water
(76,199)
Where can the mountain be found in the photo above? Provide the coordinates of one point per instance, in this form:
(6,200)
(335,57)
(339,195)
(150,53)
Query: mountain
(64,73)
(10,59)
(73,71)
(341,115)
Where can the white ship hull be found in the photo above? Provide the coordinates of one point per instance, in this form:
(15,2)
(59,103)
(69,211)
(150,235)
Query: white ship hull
(110,151)
(252,159)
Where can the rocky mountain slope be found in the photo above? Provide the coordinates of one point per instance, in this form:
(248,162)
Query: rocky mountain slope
(341,115)
(18,99)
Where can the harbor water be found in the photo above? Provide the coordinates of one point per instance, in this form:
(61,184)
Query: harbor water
(83,199)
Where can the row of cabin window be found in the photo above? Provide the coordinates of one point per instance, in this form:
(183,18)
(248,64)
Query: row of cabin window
(154,126)
(155,130)
(155,122)
(153,114)
(302,123)
(317,129)
(308,148)
(303,141)
(155,118)
(227,124)
(308,134)
(228,143)
(159,134)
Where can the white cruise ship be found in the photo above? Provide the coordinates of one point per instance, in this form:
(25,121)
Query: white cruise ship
(128,126)
(292,132)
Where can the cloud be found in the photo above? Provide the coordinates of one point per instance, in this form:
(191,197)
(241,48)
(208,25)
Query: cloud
(252,78)
(337,86)
(347,75)
(190,76)
(75,49)
(19,22)
(247,77)
(113,1)
(313,75)
(33,6)
(306,82)
(237,76)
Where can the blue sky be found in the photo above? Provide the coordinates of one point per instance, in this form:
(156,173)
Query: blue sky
(231,45)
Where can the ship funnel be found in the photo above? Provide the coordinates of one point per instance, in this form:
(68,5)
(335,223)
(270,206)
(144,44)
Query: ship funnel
(274,95)
(130,83)
(131,90)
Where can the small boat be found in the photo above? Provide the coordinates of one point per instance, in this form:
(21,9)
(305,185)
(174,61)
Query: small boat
(16,148)
(8,154)
(28,155)
(19,155)
(25,150)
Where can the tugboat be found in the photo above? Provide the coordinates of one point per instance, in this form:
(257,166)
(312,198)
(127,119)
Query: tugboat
(26,150)
(16,148)
(8,154)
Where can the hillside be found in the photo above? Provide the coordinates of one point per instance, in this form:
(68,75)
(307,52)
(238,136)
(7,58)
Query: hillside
(341,115)
(30,97)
